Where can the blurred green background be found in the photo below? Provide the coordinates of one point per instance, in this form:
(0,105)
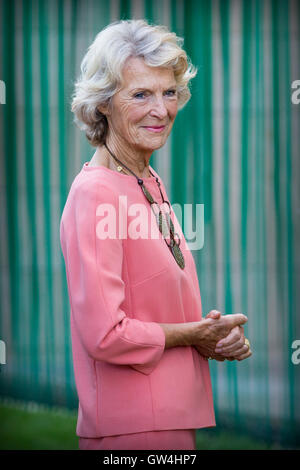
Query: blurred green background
(234,148)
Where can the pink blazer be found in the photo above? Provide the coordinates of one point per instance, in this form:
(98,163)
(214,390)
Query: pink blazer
(120,289)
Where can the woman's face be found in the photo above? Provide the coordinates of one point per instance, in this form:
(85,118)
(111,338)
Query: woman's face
(142,113)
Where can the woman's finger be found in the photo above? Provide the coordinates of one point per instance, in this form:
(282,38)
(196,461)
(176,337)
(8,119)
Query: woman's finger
(234,352)
(236,335)
(239,346)
(244,356)
(215,314)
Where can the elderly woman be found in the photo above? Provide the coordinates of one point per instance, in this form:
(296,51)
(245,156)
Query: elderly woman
(140,344)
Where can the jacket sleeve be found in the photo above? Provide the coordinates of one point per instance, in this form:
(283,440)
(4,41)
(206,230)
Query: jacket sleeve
(96,288)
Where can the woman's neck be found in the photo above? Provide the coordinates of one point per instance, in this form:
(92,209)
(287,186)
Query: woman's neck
(136,162)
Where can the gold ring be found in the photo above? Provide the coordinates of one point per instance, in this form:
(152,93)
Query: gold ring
(247,343)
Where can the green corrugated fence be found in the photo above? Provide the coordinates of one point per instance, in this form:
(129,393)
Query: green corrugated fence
(234,148)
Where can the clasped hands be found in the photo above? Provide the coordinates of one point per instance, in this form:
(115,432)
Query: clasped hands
(222,337)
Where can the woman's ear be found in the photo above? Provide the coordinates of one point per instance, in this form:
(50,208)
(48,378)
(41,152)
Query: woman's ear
(101,109)
(104,108)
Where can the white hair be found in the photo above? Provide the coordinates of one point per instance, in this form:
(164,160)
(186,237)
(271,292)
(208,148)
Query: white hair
(101,69)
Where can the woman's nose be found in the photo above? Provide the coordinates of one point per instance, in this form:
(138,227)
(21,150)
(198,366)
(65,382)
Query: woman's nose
(158,108)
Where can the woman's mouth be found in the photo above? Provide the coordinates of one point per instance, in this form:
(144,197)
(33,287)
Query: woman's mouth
(154,128)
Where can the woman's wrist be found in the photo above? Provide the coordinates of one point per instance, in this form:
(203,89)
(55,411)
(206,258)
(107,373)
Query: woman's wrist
(181,334)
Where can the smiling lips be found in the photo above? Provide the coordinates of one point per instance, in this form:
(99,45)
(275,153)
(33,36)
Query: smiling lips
(154,128)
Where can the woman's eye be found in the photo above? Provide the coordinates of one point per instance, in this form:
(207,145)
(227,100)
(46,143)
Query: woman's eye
(171,92)
(141,94)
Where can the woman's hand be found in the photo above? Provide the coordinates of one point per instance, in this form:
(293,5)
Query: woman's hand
(231,345)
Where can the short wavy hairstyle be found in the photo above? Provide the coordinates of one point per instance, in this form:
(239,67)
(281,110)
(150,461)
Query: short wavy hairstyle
(101,69)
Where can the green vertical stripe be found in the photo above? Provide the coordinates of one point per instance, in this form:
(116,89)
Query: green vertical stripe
(148,5)
(178,143)
(63,108)
(45,138)
(30,187)
(69,117)
(260,322)
(225,17)
(291,310)
(9,110)
(125,9)
(62,149)
(277,188)
(61,105)
(245,152)
(101,19)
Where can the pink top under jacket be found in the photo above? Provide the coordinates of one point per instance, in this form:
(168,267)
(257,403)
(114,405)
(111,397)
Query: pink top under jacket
(120,288)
